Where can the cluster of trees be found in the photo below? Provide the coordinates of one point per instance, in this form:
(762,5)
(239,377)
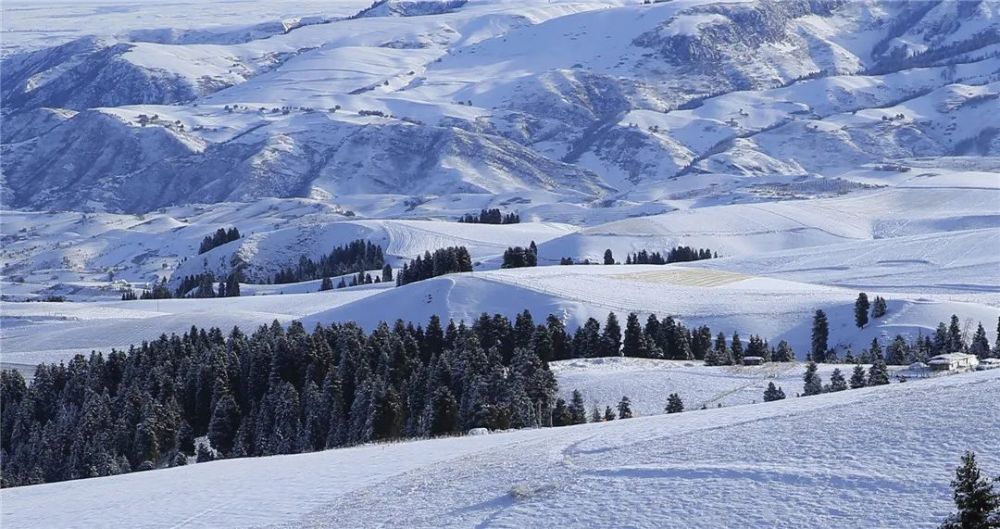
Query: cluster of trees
(678,254)
(356,256)
(220,237)
(160,290)
(666,338)
(442,261)
(862,307)
(951,337)
(362,278)
(279,390)
(491,216)
(519,257)
(204,286)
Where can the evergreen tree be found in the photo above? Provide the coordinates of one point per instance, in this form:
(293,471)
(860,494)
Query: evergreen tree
(737,349)
(611,340)
(837,381)
(560,414)
(861,307)
(977,502)
(980,344)
(813,383)
(820,337)
(634,343)
(955,342)
(386,273)
(595,415)
(878,373)
(327,284)
(858,377)
(674,404)
(577,411)
(609,414)
(225,421)
(609,259)
(773,393)
(784,352)
(879,308)
(625,408)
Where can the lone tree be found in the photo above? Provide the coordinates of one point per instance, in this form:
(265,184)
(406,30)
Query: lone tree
(773,393)
(820,336)
(674,403)
(861,307)
(978,504)
(609,259)
(813,383)
(624,408)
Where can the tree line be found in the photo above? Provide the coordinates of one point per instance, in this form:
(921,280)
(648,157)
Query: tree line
(677,254)
(443,261)
(220,237)
(356,256)
(490,216)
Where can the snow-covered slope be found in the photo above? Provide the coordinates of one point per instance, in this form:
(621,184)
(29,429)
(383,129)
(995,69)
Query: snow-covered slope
(874,457)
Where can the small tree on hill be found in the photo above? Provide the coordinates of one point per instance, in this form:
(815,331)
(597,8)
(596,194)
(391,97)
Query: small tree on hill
(674,403)
(625,408)
(813,383)
(837,381)
(773,393)
(609,258)
(609,414)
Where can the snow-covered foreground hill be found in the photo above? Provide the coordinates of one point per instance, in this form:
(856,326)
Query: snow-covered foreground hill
(874,457)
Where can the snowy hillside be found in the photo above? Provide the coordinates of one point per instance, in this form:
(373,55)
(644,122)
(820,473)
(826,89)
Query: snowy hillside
(826,457)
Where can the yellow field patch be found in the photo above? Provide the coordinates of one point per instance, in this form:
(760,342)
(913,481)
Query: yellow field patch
(686,277)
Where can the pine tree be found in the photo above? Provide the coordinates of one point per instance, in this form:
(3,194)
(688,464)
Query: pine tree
(609,258)
(813,384)
(955,342)
(878,373)
(980,344)
(784,352)
(674,404)
(737,349)
(634,344)
(977,502)
(577,411)
(773,393)
(225,421)
(858,377)
(879,308)
(861,307)
(560,414)
(837,381)
(609,414)
(611,340)
(820,336)
(327,284)
(595,415)
(625,408)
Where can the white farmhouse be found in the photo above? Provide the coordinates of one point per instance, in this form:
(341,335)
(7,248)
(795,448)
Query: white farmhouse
(953,362)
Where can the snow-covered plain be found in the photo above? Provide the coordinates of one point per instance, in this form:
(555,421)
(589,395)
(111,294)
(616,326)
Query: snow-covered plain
(874,457)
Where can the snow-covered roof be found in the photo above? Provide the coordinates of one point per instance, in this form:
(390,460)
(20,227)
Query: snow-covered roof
(948,357)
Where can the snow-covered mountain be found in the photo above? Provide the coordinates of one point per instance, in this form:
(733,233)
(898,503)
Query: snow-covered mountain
(584,100)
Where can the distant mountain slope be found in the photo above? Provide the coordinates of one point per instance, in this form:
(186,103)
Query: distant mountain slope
(588,101)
